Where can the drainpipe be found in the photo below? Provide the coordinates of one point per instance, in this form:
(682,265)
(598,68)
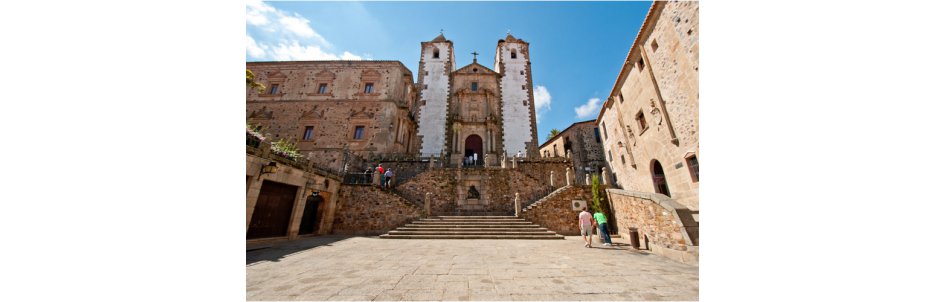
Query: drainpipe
(665,113)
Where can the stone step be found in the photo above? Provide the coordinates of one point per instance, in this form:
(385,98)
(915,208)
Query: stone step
(475,217)
(545,237)
(496,229)
(470,219)
(472,225)
(440,232)
(470,222)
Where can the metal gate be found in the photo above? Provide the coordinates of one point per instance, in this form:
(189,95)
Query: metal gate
(273,210)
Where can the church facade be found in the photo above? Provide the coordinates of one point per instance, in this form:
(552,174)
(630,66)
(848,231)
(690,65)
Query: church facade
(475,114)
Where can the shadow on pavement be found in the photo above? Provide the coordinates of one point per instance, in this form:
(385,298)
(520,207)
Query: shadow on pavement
(276,251)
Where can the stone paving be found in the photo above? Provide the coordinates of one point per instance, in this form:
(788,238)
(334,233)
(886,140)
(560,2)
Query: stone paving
(369,268)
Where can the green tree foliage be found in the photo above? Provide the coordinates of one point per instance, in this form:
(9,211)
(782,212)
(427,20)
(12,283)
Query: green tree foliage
(595,181)
(554,132)
(251,81)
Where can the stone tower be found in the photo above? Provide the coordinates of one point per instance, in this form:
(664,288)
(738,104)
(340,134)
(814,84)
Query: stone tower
(513,62)
(437,62)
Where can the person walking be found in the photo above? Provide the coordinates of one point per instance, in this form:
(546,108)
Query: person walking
(368,175)
(380,169)
(585,221)
(388,176)
(601,222)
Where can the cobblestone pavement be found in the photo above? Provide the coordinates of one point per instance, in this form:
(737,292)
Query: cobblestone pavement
(369,268)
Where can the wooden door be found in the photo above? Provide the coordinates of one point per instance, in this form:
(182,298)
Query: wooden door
(273,210)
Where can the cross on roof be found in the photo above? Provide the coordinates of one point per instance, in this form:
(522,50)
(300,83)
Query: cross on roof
(474,56)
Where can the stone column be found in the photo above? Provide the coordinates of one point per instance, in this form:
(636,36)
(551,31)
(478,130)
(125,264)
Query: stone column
(426,203)
(587,179)
(603,175)
(513,162)
(552,179)
(567,175)
(485,160)
(517,205)
(432,160)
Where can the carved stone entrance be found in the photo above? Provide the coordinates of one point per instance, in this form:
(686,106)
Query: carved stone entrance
(473,147)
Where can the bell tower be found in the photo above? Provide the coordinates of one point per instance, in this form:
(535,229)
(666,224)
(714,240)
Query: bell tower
(437,61)
(513,62)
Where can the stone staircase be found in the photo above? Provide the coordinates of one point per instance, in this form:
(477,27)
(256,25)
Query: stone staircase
(471,227)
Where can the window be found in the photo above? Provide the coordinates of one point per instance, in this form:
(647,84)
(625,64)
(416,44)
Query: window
(359,132)
(274,89)
(641,120)
(475,86)
(322,88)
(640,64)
(522,72)
(693,166)
(308,133)
(514,54)
(623,158)
(655,45)
(596,133)
(369,88)
(525,102)
(610,152)
(603,124)
(436,53)
(621,97)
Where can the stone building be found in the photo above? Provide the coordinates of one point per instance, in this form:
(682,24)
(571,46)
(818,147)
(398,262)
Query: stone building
(474,109)
(649,123)
(336,110)
(581,144)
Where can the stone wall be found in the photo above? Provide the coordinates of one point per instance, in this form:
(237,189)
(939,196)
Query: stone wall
(366,210)
(386,114)
(660,85)
(500,186)
(556,212)
(504,183)
(669,227)
(440,182)
(540,169)
(305,181)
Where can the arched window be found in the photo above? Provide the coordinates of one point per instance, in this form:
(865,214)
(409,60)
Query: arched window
(514,53)
(435,53)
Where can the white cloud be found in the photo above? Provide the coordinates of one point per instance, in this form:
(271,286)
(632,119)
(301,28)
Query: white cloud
(256,13)
(350,56)
(542,101)
(253,49)
(590,109)
(291,37)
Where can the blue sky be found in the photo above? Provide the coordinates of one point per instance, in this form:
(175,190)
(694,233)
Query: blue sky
(577,48)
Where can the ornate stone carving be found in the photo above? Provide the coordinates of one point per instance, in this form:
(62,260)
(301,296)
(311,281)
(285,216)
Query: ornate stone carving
(655,112)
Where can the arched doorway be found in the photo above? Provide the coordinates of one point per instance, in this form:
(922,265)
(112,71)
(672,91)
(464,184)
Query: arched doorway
(473,147)
(309,223)
(658,179)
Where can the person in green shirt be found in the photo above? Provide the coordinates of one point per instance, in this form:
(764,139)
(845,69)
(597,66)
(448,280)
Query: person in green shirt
(601,221)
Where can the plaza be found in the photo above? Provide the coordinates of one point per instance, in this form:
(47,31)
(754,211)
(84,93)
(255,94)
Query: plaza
(346,268)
